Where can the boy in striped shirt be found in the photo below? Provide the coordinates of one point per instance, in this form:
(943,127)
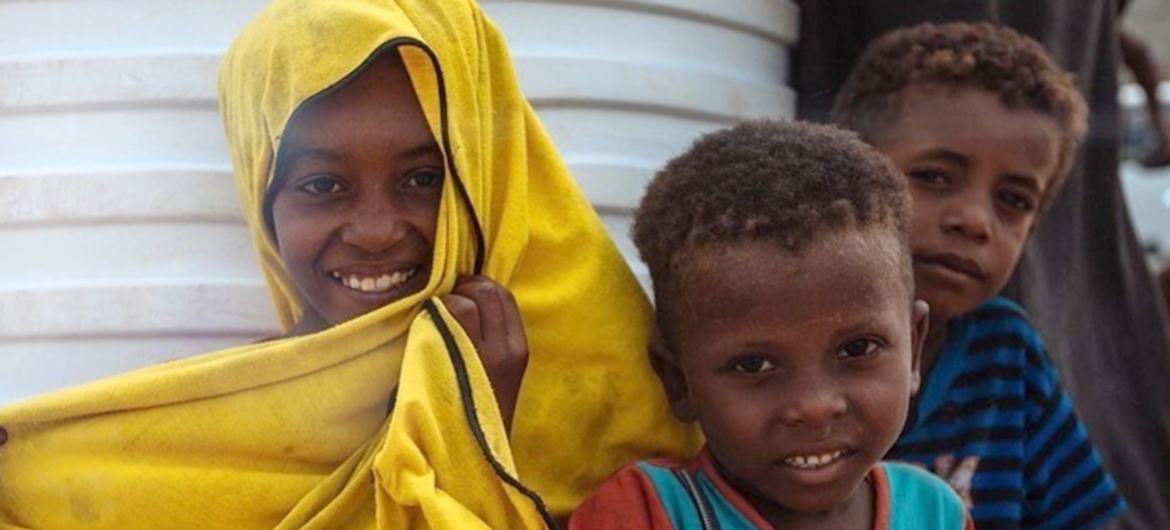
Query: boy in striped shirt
(780,259)
(985,126)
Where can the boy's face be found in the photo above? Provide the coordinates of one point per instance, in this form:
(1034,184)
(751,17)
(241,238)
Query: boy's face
(358,196)
(799,368)
(978,172)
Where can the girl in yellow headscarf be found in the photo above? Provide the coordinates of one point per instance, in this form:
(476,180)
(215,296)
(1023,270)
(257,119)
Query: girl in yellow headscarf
(392,176)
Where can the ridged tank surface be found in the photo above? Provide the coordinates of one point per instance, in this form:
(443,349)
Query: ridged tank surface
(121,239)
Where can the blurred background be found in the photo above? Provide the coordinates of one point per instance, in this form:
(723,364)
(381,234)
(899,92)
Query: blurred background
(1147,190)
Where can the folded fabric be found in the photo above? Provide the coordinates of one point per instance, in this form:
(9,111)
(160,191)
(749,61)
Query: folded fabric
(387,420)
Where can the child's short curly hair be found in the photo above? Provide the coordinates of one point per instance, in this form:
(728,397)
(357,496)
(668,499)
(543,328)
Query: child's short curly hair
(960,55)
(764,180)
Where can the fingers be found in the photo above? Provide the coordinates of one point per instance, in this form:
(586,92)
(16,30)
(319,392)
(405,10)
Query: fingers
(488,297)
(499,315)
(491,318)
(466,312)
(517,341)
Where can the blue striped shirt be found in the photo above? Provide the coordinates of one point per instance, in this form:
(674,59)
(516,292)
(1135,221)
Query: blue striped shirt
(992,420)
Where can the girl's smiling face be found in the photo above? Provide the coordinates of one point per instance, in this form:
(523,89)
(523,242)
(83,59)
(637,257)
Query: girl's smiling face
(356,196)
(799,367)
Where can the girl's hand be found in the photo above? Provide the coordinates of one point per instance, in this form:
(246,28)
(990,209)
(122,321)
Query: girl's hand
(488,313)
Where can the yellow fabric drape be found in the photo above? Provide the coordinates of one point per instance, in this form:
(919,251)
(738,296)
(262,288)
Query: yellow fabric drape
(294,433)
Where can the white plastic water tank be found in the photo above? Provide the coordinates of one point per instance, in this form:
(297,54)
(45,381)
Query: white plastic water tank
(121,244)
(121,239)
(622,86)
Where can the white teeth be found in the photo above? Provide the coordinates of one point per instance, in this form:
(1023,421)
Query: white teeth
(374,284)
(814,461)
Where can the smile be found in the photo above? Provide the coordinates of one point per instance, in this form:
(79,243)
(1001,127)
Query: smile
(380,283)
(815,461)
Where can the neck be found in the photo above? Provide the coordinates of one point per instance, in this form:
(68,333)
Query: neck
(309,323)
(856,512)
(936,336)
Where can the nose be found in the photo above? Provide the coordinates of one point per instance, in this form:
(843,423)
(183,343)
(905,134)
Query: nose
(815,404)
(968,217)
(373,225)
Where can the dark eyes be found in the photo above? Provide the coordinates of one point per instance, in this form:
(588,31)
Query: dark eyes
(758,364)
(859,348)
(425,179)
(929,177)
(1016,201)
(936,179)
(753,364)
(322,185)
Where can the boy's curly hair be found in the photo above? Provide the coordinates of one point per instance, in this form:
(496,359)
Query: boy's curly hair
(962,55)
(772,180)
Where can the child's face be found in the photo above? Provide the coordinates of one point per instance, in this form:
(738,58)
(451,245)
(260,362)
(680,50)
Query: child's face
(798,367)
(358,195)
(978,172)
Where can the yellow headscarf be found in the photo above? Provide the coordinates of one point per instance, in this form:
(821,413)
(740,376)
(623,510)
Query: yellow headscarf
(294,433)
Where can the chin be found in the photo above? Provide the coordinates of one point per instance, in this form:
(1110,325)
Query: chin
(350,314)
(945,306)
(816,503)
(814,500)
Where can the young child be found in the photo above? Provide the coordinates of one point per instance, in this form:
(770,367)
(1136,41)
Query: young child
(780,262)
(985,126)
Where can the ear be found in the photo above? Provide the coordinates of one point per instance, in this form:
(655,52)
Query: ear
(667,365)
(919,326)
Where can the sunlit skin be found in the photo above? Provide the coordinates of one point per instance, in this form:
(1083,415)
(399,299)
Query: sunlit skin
(781,355)
(978,173)
(357,199)
(360,177)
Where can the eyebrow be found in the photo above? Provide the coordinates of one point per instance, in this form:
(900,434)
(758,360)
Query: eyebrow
(421,151)
(947,155)
(1025,180)
(294,154)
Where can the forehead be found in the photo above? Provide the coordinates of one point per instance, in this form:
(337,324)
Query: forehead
(377,103)
(838,277)
(976,124)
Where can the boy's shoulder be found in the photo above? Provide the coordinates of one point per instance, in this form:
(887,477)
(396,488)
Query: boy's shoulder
(626,499)
(999,325)
(919,499)
(647,495)
(667,495)
(1002,309)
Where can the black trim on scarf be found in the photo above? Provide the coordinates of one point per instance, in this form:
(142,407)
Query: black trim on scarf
(269,194)
(478,229)
(448,339)
(473,419)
